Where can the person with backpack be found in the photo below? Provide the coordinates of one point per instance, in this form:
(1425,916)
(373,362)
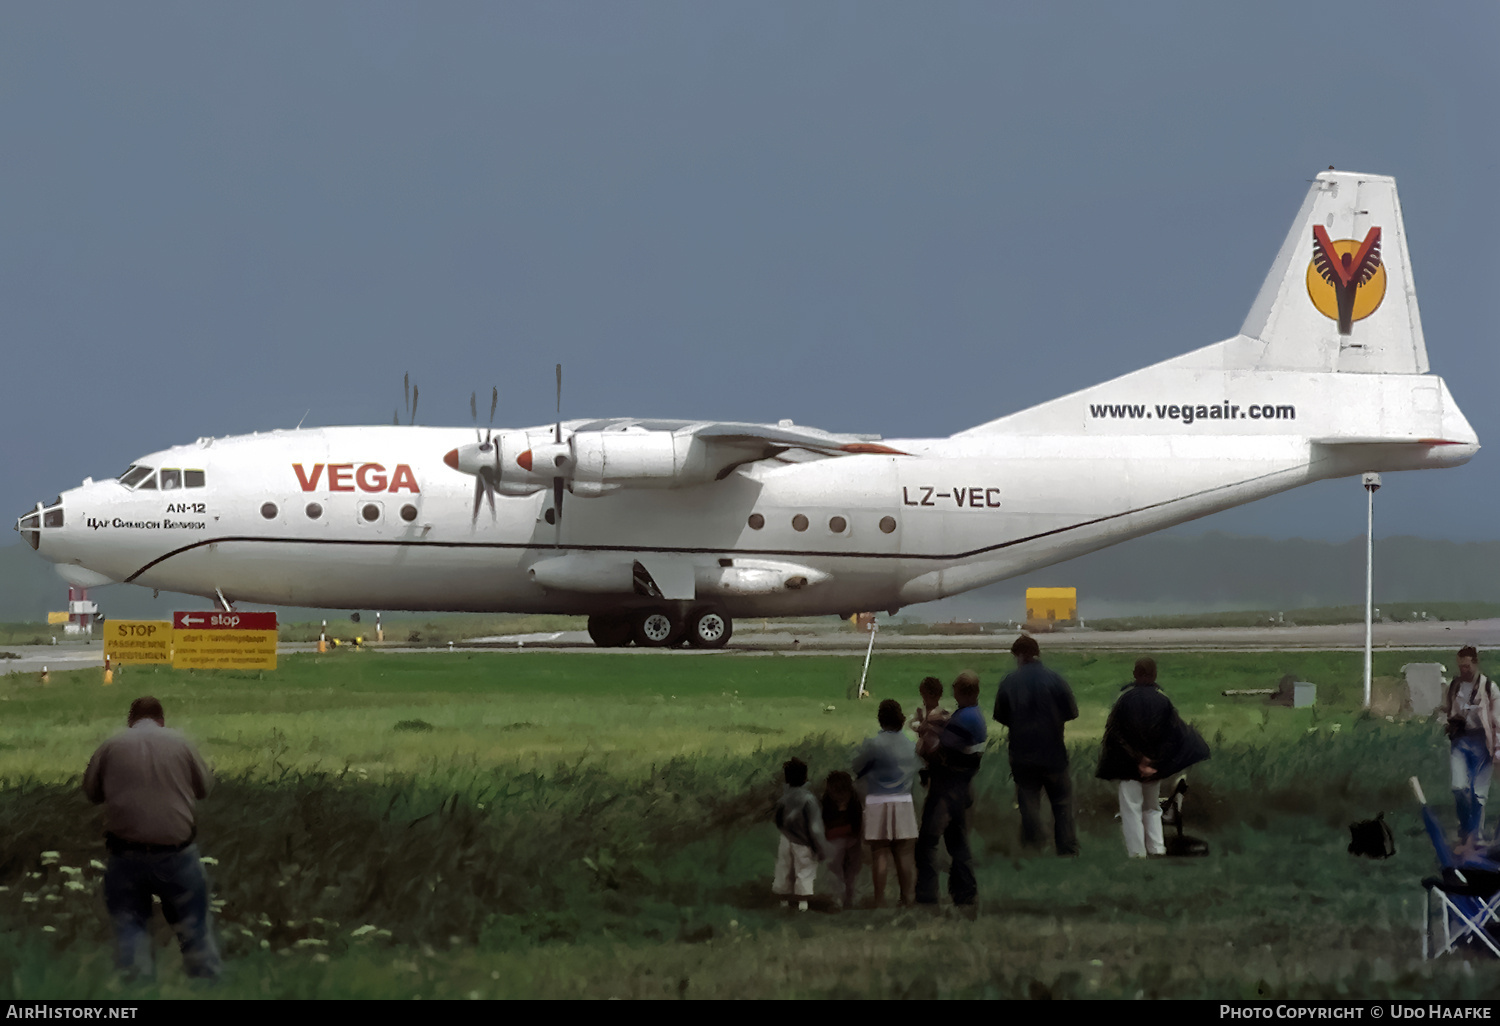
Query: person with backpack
(1145,743)
(1473,727)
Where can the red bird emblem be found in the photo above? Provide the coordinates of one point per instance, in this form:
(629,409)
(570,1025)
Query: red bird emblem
(1346,272)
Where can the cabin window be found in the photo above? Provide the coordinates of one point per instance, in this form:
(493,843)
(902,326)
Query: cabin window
(799,522)
(370,512)
(838,525)
(408,512)
(192,478)
(170,479)
(134,475)
(314,510)
(269,510)
(757,521)
(887,524)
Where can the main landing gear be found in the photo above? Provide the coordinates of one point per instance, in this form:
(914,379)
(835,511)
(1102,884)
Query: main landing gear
(662,627)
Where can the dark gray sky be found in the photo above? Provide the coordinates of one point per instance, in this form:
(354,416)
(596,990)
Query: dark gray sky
(864,216)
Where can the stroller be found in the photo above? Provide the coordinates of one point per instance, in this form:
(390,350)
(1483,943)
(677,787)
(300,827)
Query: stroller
(1179,844)
(1466,894)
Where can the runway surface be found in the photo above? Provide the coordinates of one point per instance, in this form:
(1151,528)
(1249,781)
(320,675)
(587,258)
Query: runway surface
(1426,636)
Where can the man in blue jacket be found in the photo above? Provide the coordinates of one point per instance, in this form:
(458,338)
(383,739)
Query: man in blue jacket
(1034,703)
(946,812)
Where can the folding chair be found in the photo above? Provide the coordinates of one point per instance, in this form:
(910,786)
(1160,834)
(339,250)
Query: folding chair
(1467,894)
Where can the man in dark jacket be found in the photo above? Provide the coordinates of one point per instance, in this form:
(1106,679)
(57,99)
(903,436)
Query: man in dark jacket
(1145,743)
(1034,703)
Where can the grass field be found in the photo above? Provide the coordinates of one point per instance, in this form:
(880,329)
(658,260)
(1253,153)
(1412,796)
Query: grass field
(597,824)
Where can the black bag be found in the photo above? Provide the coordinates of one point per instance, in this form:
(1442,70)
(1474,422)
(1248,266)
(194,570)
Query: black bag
(1372,838)
(1180,845)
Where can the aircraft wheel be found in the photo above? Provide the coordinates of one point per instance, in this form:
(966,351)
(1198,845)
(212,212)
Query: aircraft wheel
(709,628)
(656,628)
(610,631)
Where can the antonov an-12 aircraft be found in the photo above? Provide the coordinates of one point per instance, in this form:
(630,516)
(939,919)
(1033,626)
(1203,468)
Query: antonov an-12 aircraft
(673,528)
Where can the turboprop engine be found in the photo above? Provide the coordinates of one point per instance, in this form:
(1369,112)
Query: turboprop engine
(594,463)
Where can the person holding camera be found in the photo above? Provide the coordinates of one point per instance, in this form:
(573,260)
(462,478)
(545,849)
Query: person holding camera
(1473,711)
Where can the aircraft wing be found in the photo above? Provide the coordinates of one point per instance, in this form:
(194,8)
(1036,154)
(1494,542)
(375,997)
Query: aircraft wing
(791,437)
(594,457)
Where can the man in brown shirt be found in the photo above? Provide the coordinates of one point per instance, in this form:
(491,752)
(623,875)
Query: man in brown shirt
(147,778)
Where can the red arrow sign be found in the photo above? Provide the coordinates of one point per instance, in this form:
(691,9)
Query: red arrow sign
(217,621)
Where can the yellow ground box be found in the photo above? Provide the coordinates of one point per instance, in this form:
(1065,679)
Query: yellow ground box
(138,641)
(54,618)
(1051,604)
(224,650)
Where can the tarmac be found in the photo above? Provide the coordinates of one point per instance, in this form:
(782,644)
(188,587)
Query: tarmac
(803,639)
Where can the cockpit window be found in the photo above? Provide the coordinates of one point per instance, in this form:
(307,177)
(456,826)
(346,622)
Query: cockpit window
(134,475)
(170,479)
(148,482)
(52,518)
(192,478)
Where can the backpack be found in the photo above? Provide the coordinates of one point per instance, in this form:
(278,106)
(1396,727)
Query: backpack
(1372,838)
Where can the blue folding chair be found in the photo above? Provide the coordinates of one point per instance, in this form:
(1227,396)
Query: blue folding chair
(1467,894)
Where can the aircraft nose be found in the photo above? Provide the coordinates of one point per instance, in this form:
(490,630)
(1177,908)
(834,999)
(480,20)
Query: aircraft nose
(30,524)
(452,458)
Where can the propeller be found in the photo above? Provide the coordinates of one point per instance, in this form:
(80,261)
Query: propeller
(410,391)
(489,473)
(557,482)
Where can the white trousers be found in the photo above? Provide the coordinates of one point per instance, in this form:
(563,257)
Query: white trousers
(1140,817)
(796,868)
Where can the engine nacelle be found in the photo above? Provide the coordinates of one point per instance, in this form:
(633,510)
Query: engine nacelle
(639,457)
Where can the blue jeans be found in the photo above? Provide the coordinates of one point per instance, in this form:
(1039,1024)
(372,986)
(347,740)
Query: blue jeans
(178,879)
(1471,769)
(945,816)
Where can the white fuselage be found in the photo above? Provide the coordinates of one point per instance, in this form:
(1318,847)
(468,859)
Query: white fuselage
(1327,378)
(962,512)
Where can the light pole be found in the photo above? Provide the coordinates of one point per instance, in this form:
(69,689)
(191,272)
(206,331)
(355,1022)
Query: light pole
(1372,485)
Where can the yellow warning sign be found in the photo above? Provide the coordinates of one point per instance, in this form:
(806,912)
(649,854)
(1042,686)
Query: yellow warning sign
(62,617)
(224,650)
(138,641)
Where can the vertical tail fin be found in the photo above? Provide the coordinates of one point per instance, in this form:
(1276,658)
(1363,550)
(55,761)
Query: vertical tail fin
(1340,296)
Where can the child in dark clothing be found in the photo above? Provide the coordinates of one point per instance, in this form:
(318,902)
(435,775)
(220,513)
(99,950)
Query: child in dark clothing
(843,826)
